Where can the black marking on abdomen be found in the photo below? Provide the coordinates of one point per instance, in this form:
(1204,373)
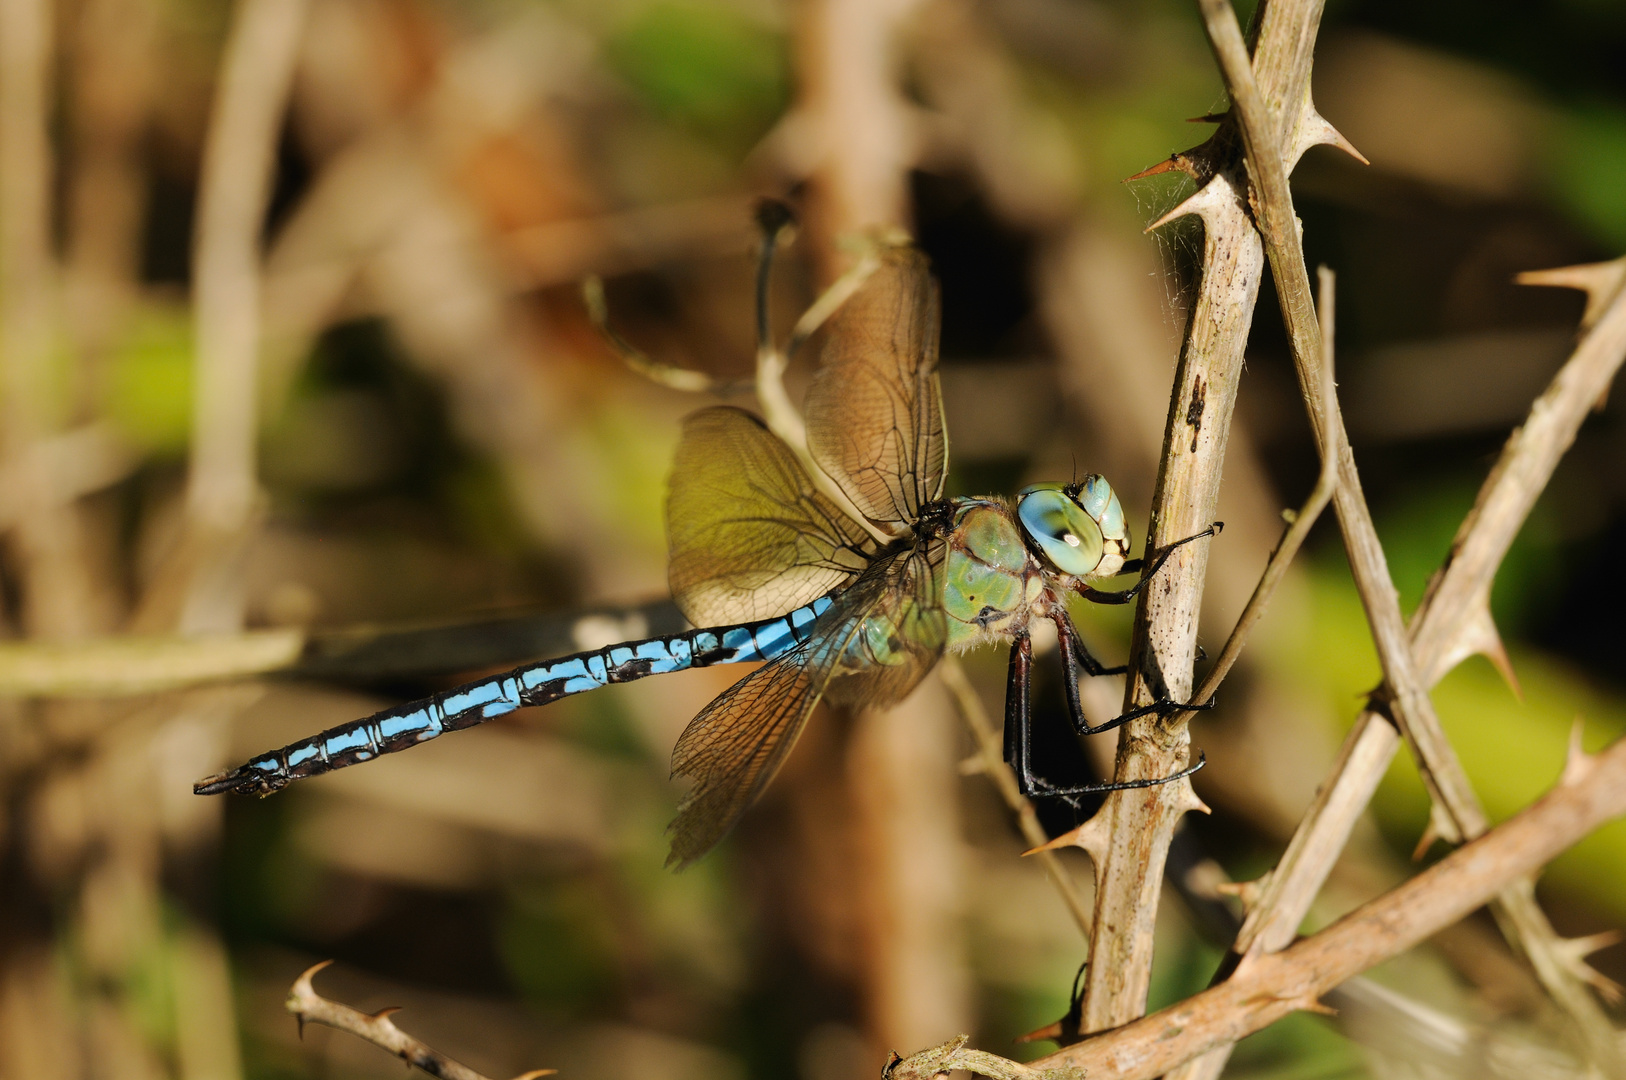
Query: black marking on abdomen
(636,668)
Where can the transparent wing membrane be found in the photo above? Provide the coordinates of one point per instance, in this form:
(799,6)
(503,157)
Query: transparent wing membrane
(875,410)
(902,636)
(750,535)
(873,645)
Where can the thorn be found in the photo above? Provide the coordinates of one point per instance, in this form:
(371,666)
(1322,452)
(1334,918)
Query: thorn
(1314,1006)
(1171,164)
(1186,800)
(1316,131)
(1496,653)
(1477,633)
(1577,762)
(1440,827)
(1607,988)
(1600,282)
(1582,947)
(1206,878)
(1208,199)
(1052,1031)
(1092,836)
(1572,953)
(1208,118)
(1480,632)
(304,980)
(1248,892)
(534,1073)
(386,1012)
(1425,841)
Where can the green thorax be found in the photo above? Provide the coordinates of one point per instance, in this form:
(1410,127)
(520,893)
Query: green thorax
(991,581)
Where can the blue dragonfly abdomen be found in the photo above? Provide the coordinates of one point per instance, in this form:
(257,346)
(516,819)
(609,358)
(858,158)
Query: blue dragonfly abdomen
(474,703)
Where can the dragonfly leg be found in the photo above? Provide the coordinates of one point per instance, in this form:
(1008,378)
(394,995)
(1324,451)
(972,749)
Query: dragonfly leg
(1018,710)
(772,218)
(1115,785)
(1161,707)
(1019,720)
(1124,596)
(1074,656)
(1019,734)
(1074,651)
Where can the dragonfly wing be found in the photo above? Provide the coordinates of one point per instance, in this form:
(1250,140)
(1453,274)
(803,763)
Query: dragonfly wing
(750,535)
(903,634)
(736,745)
(875,409)
(874,643)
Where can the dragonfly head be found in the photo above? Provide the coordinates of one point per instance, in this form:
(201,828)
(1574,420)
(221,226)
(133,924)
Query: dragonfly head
(1078,528)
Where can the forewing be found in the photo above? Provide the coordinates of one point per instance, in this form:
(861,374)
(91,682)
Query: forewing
(750,536)
(875,410)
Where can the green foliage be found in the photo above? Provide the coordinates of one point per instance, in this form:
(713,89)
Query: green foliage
(1586,162)
(705,67)
(559,943)
(148,388)
(1417,531)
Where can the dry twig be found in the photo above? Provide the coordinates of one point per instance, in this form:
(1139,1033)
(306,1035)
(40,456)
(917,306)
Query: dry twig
(1302,521)
(121,666)
(1136,826)
(1267,987)
(1457,813)
(953,1056)
(310,1007)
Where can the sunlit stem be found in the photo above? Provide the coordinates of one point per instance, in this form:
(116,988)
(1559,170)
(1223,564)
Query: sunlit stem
(1306,517)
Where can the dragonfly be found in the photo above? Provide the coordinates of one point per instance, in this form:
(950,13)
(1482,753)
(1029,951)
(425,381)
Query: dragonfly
(843,569)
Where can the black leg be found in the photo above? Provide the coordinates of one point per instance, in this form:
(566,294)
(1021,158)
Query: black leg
(1074,656)
(1073,650)
(1124,596)
(772,218)
(1156,708)
(1018,711)
(1019,733)
(1116,785)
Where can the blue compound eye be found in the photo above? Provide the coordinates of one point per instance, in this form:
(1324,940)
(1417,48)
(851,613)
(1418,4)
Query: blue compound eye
(1099,501)
(1068,536)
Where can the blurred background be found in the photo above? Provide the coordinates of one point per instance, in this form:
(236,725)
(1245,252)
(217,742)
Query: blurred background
(434,434)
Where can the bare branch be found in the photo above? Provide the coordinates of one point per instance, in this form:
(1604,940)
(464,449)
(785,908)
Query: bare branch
(1139,824)
(1453,620)
(310,1007)
(1269,986)
(1303,520)
(1457,812)
(121,666)
(953,1056)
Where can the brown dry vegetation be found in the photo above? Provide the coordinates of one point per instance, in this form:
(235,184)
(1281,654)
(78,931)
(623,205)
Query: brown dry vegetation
(301,413)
